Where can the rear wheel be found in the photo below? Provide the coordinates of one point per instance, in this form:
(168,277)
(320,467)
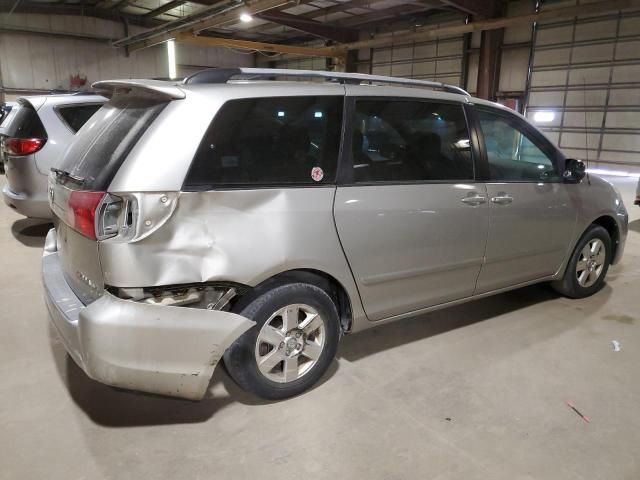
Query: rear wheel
(292,344)
(588,265)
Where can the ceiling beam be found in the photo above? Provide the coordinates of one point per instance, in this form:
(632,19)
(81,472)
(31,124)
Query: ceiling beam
(198,22)
(257,46)
(308,25)
(428,33)
(482,9)
(76,9)
(165,8)
(378,15)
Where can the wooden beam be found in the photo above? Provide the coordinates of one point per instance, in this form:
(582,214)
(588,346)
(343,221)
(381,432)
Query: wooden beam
(258,46)
(428,33)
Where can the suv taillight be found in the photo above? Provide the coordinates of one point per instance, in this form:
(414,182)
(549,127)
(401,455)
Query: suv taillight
(23,146)
(96,215)
(81,215)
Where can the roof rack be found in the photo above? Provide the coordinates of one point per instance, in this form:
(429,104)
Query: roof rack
(223,75)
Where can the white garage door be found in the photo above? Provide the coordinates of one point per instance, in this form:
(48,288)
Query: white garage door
(585,87)
(438,60)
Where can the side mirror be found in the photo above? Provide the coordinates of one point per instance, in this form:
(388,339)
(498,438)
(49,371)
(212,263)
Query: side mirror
(574,171)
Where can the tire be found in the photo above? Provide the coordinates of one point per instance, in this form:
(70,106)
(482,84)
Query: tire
(589,279)
(301,360)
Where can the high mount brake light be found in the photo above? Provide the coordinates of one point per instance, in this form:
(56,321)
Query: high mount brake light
(23,146)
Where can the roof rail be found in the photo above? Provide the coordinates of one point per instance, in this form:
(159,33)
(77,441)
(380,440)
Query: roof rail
(223,75)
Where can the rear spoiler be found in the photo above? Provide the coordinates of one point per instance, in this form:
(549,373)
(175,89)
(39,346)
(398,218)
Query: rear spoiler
(169,90)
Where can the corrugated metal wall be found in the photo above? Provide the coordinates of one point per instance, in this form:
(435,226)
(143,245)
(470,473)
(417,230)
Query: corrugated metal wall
(586,82)
(438,60)
(36,62)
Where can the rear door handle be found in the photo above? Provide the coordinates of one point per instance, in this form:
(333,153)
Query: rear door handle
(502,199)
(474,200)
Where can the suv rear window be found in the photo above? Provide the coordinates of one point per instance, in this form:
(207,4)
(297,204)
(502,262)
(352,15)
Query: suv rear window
(4,112)
(27,124)
(77,115)
(105,141)
(270,142)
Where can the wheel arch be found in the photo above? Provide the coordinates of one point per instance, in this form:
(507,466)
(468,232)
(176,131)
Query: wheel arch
(611,226)
(332,286)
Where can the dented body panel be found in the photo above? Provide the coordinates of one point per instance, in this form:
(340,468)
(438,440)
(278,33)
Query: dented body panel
(241,236)
(157,349)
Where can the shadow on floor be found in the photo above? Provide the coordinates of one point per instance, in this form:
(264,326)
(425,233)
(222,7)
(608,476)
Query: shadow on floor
(387,336)
(31,231)
(113,407)
(635,225)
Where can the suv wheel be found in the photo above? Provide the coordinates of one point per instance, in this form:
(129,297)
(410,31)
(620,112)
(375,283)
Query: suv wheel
(292,344)
(588,265)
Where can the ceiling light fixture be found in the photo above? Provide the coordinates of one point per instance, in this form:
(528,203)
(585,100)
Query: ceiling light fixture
(245,18)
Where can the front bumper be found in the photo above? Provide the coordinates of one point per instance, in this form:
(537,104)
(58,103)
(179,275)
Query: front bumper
(157,349)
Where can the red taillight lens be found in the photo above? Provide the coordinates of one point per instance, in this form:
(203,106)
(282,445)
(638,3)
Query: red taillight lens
(23,146)
(82,212)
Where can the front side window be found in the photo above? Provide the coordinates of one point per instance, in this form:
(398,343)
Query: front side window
(75,116)
(410,140)
(511,151)
(270,142)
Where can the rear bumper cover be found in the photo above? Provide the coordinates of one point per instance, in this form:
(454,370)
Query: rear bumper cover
(26,205)
(157,349)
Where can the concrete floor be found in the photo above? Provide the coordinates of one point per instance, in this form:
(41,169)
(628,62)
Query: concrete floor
(473,392)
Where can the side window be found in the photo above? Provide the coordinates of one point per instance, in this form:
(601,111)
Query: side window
(512,154)
(410,140)
(76,116)
(270,141)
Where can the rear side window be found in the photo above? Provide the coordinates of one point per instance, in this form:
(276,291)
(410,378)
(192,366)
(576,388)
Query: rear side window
(409,141)
(104,142)
(77,115)
(27,124)
(270,142)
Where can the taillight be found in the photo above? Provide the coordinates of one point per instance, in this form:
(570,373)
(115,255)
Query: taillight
(23,146)
(81,215)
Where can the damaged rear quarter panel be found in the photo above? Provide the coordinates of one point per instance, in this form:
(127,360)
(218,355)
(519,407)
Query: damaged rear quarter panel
(243,236)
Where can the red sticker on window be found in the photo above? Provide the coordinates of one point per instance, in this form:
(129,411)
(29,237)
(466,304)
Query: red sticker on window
(317,174)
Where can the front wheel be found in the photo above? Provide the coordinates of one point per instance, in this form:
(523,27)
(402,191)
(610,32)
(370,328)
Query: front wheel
(588,265)
(292,344)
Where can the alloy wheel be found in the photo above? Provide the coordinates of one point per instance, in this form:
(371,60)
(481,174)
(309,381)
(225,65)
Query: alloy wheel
(591,262)
(290,343)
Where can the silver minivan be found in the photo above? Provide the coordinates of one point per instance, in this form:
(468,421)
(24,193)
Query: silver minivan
(39,132)
(256,221)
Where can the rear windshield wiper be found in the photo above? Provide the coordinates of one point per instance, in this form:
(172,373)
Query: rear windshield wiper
(66,175)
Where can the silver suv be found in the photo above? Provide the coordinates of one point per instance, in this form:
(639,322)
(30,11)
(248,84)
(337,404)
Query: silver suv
(258,221)
(38,134)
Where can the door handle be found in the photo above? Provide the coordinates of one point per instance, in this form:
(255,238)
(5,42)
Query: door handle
(474,200)
(502,199)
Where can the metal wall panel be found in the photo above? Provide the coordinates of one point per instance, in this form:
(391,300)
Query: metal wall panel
(36,62)
(586,71)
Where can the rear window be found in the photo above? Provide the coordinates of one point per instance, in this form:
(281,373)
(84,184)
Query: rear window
(77,115)
(104,142)
(27,124)
(270,142)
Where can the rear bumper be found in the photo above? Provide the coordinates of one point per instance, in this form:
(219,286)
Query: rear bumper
(26,205)
(157,349)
